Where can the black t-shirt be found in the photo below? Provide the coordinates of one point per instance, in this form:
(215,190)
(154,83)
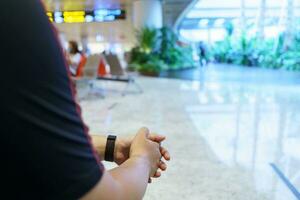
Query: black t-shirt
(45,149)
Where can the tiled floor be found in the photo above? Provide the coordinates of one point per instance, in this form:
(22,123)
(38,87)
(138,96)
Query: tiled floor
(223,132)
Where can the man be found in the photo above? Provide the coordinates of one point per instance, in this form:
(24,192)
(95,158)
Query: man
(46,152)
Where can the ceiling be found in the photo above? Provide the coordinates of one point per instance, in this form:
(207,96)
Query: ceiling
(62,5)
(172,9)
(54,5)
(117,31)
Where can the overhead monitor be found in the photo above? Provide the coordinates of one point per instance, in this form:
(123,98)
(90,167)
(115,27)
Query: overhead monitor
(100,15)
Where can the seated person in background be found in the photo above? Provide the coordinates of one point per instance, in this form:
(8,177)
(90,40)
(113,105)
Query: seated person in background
(74,57)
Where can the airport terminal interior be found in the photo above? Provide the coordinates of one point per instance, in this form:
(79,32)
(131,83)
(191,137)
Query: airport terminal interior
(221,79)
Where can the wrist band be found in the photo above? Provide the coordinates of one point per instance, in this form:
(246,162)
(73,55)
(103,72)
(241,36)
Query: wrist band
(110,148)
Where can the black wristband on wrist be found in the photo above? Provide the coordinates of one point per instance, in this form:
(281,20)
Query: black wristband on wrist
(110,148)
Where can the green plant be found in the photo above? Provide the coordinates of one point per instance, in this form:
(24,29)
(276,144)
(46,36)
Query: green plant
(168,45)
(275,53)
(147,39)
(245,51)
(229,27)
(222,50)
(174,55)
(152,67)
(158,49)
(138,56)
(133,66)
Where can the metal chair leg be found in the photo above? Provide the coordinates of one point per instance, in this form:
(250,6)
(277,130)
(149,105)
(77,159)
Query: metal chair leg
(124,92)
(138,87)
(132,82)
(93,89)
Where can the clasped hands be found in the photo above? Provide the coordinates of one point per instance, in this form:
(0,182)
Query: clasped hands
(143,144)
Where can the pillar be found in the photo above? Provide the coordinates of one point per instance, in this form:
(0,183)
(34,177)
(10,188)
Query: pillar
(84,44)
(289,23)
(261,19)
(243,17)
(147,13)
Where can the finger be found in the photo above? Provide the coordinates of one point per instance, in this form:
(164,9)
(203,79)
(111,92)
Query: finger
(164,152)
(157,174)
(143,132)
(157,145)
(162,165)
(156,137)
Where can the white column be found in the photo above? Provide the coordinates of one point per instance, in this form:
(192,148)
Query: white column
(243,16)
(63,40)
(289,23)
(147,13)
(261,19)
(84,43)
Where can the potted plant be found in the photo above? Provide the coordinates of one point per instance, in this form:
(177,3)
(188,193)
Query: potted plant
(157,50)
(152,67)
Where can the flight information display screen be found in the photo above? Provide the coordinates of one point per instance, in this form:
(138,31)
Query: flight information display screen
(101,15)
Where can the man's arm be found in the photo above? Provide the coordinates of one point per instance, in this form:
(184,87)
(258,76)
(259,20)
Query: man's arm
(128,182)
(130,179)
(122,148)
(99,143)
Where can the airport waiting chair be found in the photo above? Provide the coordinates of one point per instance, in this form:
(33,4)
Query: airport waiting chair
(117,73)
(81,65)
(89,75)
(91,67)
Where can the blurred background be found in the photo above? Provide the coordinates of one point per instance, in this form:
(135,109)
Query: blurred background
(219,78)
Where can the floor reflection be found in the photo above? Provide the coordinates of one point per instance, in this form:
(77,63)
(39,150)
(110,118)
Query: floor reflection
(223,131)
(252,126)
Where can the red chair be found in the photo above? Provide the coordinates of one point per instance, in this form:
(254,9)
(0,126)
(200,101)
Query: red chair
(101,68)
(79,71)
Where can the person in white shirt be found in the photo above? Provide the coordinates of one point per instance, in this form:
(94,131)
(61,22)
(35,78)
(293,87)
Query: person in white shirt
(74,57)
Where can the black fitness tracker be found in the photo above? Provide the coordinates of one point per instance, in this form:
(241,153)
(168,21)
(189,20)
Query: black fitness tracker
(110,148)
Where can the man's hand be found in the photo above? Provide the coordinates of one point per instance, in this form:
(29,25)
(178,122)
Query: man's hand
(142,156)
(122,149)
(143,148)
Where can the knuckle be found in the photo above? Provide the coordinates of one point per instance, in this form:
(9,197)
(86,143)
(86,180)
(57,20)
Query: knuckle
(144,129)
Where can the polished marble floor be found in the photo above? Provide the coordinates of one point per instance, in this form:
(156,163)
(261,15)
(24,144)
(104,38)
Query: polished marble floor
(223,131)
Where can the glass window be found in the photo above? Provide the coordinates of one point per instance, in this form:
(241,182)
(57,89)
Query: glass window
(209,17)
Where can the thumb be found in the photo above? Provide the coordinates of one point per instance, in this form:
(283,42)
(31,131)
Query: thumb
(143,133)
